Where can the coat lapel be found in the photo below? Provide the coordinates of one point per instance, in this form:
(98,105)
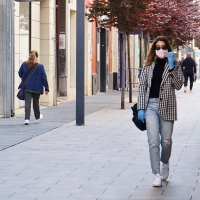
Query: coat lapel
(165,74)
(151,74)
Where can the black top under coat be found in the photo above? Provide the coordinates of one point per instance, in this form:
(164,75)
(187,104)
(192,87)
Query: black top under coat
(157,78)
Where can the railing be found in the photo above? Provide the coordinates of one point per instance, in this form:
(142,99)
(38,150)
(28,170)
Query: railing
(135,73)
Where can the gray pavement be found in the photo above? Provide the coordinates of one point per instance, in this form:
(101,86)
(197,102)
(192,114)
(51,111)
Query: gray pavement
(13,131)
(107,159)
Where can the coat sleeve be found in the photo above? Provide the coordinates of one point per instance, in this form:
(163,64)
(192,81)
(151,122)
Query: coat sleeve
(182,65)
(195,67)
(142,89)
(177,77)
(44,79)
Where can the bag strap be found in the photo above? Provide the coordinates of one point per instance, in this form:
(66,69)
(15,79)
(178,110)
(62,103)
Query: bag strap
(29,76)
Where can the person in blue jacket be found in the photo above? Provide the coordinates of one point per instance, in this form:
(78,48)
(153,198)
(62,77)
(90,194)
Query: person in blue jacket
(35,85)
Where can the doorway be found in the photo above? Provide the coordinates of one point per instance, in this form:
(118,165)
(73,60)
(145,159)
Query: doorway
(61,47)
(104,60)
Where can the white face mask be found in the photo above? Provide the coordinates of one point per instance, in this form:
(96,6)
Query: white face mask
(161,53)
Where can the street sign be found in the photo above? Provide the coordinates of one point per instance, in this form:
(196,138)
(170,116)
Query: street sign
(27,0)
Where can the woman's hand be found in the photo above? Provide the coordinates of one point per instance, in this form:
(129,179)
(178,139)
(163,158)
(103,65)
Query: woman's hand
(141,115)
(46,92)
(171,60)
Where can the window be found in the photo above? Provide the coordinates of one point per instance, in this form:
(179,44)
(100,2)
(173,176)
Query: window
(24,31)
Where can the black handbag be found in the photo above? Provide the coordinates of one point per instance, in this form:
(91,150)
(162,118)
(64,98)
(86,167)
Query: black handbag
(20,94)
(140,125)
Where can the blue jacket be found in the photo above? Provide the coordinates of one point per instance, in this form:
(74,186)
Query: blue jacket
(37,81)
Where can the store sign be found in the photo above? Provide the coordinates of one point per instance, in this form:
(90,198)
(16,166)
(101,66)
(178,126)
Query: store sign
(27,0)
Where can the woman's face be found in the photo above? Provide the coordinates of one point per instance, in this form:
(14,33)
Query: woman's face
(161,49)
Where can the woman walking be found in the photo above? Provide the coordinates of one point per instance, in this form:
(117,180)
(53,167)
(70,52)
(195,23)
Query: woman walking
(34,86)
(159,79)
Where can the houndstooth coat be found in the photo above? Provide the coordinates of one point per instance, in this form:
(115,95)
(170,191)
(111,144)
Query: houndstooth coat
(171,80)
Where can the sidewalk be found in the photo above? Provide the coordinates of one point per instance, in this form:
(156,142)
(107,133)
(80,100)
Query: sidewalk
(13,131)
(107,159)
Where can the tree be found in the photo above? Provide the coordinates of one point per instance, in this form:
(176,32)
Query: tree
(178,20)
(122,14)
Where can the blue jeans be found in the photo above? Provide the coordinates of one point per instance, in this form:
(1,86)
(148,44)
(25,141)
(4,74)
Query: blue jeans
(159,132)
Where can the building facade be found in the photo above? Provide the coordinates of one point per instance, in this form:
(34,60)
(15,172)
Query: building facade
(49,27)
(35,30)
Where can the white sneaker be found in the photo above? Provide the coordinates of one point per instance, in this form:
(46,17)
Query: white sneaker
(165,171)
(26,122)
(157,181)
(185,89)
(38,120)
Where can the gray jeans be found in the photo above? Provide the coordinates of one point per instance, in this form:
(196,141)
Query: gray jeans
(36,106)
(159,132)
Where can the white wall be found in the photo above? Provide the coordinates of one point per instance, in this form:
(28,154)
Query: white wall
(42,40)
(71,52)
(47,47)
(115,57)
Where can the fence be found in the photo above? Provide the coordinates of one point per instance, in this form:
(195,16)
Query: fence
(135,74)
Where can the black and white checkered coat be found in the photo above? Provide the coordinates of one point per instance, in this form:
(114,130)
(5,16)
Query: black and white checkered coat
(171,81)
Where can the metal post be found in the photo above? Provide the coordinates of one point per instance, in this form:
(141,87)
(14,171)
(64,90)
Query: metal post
(55,58)
(12,61)
(186,49)
(80,62)
(8,70)
(134,62)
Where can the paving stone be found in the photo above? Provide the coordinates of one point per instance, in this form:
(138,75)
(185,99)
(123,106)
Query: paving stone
(107,159)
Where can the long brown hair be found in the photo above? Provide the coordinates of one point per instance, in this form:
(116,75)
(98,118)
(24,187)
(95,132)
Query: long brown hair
(151,55)
(35,52)
(32,60)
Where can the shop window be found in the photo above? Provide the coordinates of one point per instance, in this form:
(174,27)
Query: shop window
(24,30)
(24,34)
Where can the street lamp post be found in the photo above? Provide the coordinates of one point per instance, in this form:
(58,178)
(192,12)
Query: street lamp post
(80,62)
(8,67)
